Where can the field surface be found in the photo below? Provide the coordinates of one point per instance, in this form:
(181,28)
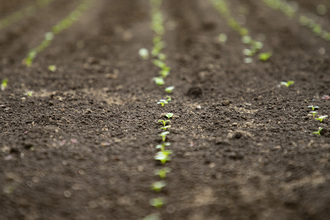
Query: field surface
(79,142)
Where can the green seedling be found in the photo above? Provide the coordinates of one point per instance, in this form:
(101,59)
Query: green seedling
(158,186)
(52,68)
(159,64)
(265,56)
(162,102)
(222,38)
(29,93)
(164,72)
(161,56)
(287,84)
(4,84)
(157,202)
(313,113)
(144,53)
(248,60)
(163,135)
(162,172)
(164,122)
(248,52)
(163,156)
(169,89)
(168,98)
(159,81)
(318,132)
(163,145)
(246,39)
(154,216)
(169,115)
(321,118)
(165,127)
(313,107)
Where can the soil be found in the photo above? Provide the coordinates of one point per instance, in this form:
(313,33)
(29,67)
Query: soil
(83,145)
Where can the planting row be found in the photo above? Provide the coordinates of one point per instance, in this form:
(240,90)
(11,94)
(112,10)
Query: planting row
(23,13)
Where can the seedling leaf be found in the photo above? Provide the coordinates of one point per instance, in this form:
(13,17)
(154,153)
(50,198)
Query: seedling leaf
(265,56)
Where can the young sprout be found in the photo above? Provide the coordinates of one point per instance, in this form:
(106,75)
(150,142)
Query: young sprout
(222,38)
(164,72)
(163,145)
(248,60)
(161,56)
(162,172)
(158,186)
(248,52)
(321,118)
(165,127)
(163,135)
(169,89)
(52,68)
(169,115)
(4,84)
(162,102)
(159,64)
(265,56)
(164,122)
(28,93)
(246,39)
(168,98)
(318,132)
(287,84)
(159,81)
(154,216)
(313,107)
(144,53)
(313,113)
(157,202)
(163,156)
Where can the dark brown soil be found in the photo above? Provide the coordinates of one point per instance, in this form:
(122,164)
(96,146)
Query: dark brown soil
(82,146)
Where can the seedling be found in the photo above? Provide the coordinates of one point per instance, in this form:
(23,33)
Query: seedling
(313,107)
(246,39)
(162,172)
(313,113)
(4,84)
(321,118)
(318,132)
(29,93)
(158,186)
(169,89)
(222,38)
(161,56)
(157,202)
(52,68)
(248,60)
(164,72)
(163,156)
(152,217)
(163,135)
(144,53)
(165,127)
(169,115)
(168,98)
(265,56)
(159,64)
(159,81)
(164,122)
(163,145)
(287,84)
(162,102)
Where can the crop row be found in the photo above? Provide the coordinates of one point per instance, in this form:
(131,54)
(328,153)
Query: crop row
(255,46)
(56,29)
(291,11)
(23,13)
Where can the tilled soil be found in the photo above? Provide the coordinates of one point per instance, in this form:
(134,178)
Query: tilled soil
(83,145)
